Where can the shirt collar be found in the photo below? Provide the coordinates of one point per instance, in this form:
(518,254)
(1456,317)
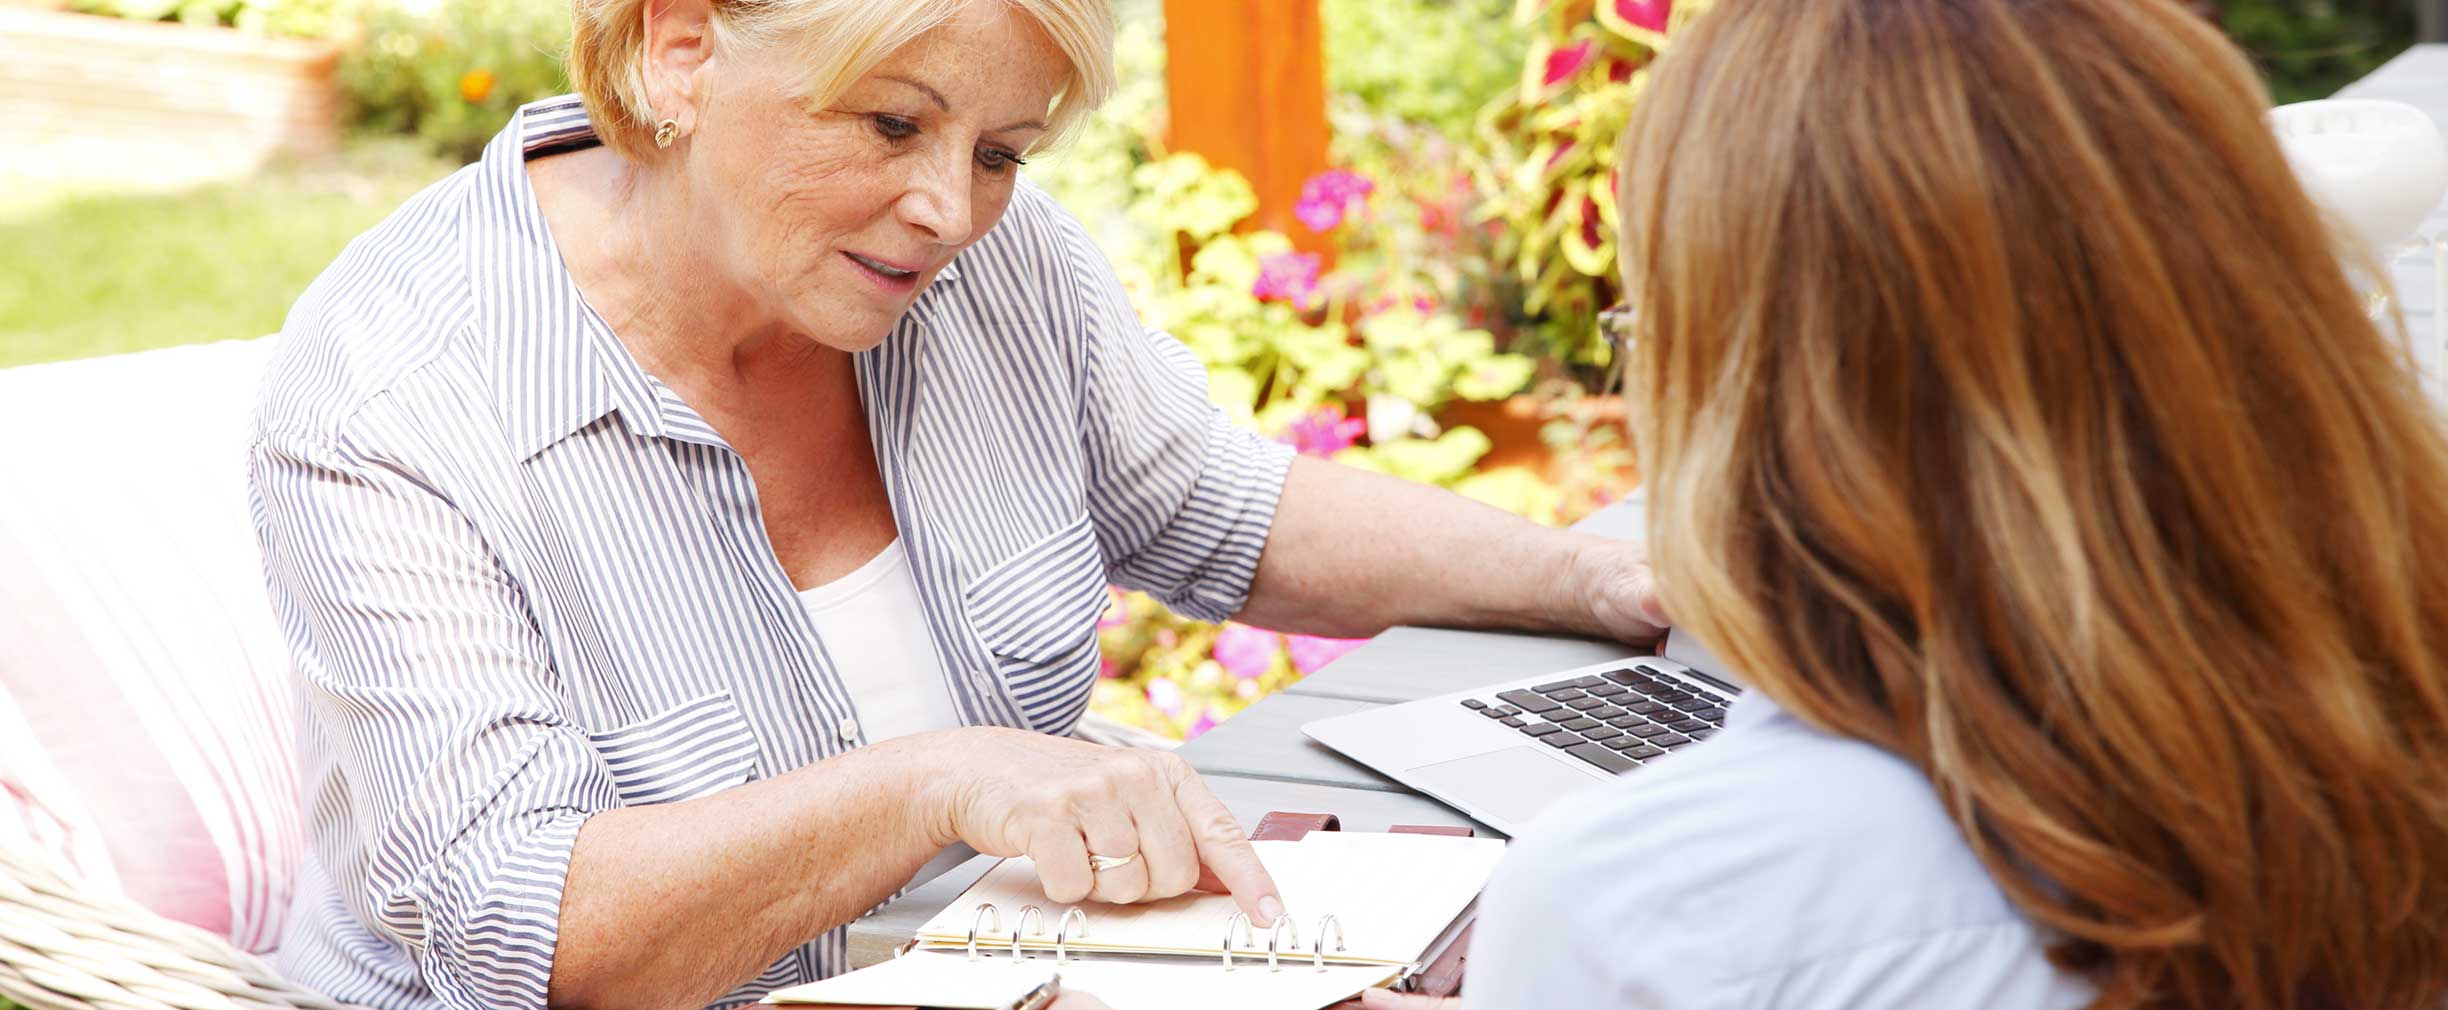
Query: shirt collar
(556,366)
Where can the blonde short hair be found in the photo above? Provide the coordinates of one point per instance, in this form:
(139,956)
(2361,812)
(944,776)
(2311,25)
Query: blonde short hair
(842,40)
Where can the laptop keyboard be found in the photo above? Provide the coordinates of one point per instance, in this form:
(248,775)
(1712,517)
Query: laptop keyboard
(1616,720)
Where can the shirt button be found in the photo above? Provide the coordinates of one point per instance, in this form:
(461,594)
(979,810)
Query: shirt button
(849,731)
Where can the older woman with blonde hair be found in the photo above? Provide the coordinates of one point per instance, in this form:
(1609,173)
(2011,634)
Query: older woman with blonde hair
(693,517)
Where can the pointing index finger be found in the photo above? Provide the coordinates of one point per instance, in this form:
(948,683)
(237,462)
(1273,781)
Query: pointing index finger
(1226,855)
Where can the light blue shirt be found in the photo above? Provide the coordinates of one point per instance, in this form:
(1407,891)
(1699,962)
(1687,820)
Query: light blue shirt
(525,582)
(1775,867)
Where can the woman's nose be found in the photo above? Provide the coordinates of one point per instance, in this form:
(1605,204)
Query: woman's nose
(937,201)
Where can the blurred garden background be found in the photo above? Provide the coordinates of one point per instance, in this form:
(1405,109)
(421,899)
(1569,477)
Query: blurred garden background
(1425,308)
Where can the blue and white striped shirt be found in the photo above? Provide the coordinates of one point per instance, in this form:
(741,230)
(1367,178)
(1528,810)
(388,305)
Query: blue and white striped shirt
(524,582)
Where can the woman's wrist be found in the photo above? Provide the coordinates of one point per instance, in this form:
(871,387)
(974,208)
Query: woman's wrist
(924,776)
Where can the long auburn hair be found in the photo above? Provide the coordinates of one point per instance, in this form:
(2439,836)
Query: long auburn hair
(2004,404)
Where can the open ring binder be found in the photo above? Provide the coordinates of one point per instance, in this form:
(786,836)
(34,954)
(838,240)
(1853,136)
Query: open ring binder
(1404,904)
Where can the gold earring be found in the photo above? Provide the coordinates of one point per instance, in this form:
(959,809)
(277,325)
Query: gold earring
(666,133)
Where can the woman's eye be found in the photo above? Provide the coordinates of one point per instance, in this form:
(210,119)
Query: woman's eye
(894,127)
(998,160)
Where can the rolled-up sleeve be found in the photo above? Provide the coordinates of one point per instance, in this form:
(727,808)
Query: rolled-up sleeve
(1182,498)
(428,694)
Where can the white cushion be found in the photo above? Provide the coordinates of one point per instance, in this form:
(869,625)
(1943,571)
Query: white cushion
(145,706)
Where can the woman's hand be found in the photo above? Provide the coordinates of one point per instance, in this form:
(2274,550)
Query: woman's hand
(1059,801)
(1614,580)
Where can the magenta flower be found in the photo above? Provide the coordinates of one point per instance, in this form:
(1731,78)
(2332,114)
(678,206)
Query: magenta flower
(1311,653)
(1107,668)
(1206,721)
(1649,14)
(1244,651)
(1329,195)
(1291,277)
(1325,432)
(1565,61)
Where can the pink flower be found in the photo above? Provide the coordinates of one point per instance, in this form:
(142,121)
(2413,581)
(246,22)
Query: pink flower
(1291,277)
(1115,616)
(1311,653)
(1244,651)
(1165,695)
(1206,721)
(1565,61)
(1325,432)
(1108,669)
(1649,14)
(1329,195)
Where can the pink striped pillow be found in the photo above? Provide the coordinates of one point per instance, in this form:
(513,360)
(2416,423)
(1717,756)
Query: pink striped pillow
(145,708)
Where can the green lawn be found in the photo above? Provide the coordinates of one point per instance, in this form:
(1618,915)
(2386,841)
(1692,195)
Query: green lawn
(87,273)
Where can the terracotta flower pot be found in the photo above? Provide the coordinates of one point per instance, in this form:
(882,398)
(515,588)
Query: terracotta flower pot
(1512,427)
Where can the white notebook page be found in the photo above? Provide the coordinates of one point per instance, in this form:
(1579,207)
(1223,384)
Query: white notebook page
(1393,895)
(950,980)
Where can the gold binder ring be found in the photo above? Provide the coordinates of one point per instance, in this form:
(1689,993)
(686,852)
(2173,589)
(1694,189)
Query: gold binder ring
(983,910)
(1062,936)
(1317,951)
(1248,936)
(1025,912)
(1276,934)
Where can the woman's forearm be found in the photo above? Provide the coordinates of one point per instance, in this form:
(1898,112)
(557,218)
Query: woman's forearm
(673,905)
(1353,553)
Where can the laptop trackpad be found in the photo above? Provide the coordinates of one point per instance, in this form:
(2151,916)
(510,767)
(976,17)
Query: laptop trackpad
(1513,784)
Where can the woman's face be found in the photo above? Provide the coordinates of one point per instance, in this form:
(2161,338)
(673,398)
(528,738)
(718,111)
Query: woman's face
(830,220)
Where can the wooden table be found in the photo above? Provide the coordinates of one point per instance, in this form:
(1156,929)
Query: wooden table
(1258,760)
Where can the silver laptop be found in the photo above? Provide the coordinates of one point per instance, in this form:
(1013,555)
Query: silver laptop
(1502,753)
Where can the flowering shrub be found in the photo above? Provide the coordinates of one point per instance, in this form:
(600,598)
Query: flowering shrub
(1360,356)
(452,72)
(1295,350)
(1551,176)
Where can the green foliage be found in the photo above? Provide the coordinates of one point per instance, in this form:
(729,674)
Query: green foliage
(301,18)
(2309,48)
(1550,174)
(1431,63)
(452,72)
(1090,173)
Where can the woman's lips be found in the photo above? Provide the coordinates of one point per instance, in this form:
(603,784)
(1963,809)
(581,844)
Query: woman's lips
(886,274)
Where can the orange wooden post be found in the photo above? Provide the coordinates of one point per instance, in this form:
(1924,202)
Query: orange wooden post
(1248,83)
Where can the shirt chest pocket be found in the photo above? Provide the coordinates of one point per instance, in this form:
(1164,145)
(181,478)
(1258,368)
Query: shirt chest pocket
(695,748)
(1036,613)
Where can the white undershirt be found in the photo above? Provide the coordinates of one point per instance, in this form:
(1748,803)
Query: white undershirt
(871,625)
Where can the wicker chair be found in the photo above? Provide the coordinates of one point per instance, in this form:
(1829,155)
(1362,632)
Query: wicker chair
(64,949)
